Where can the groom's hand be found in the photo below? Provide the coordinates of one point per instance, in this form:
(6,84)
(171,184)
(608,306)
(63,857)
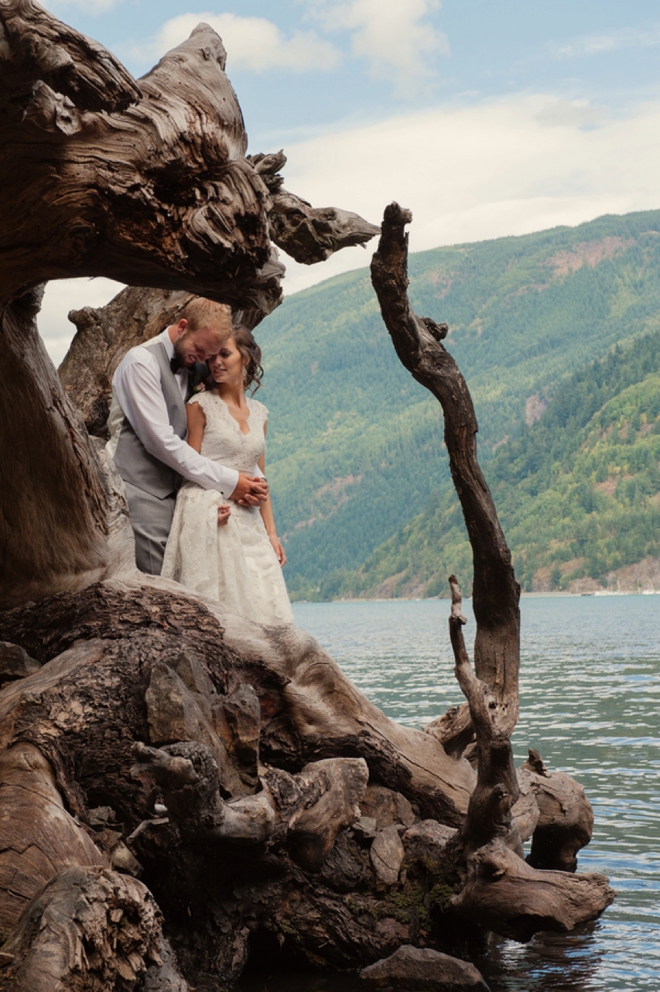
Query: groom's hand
(251,490)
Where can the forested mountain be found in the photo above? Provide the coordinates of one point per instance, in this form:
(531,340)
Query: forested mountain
(356,461)
(578,492)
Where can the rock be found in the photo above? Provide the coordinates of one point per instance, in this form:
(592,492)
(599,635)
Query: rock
(426,840)
(174,714)
(387,807)
(192,673)
(420,969)
(242,714)
(366,827)
(387,855)
(15,663)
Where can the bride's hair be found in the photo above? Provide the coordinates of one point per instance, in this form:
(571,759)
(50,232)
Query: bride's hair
(251,352)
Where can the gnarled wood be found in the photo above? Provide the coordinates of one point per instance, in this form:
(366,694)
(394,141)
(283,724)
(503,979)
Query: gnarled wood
(489,812)
(310,807)
(502,892)
(506,895)
(87,707)
(103,336)
(36,47)
(309,234)
(56,504)
(90,930)
(418,343)
(122,195)
(310,710)
(566,819)
(39,837)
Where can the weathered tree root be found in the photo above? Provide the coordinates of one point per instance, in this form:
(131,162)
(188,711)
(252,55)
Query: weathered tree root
(89,929)
(165,672)
(503,893)
(310,808)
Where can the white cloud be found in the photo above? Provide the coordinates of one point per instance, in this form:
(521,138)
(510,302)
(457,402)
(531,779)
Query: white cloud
(479,172)
(63,295)
(394,37)
(598,44)
(252,43)
(571,113)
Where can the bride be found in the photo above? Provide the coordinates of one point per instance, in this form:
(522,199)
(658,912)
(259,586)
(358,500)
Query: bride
(229,552)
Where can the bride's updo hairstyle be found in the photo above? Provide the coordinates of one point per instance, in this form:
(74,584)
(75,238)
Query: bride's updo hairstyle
(251,352)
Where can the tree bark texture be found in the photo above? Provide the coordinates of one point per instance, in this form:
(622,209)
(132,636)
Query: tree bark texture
(135,666)
(103,337)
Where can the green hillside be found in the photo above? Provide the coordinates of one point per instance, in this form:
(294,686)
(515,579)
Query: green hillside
(578,492)
(355,445)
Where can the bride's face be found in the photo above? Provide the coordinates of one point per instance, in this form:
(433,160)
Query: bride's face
(227,366)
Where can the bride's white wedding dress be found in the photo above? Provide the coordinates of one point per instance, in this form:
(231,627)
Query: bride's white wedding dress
(235,563)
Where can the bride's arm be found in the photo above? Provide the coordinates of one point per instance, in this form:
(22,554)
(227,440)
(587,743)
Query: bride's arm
(196,424)
(266,510)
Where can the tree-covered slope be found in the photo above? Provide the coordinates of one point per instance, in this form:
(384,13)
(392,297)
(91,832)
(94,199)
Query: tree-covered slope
(355,445)
(578,492)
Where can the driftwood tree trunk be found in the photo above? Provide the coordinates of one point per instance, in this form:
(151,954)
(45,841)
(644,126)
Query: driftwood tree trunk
(144,732)
(500,886)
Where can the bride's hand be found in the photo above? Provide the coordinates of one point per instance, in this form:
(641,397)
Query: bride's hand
(224,512)
(279,550)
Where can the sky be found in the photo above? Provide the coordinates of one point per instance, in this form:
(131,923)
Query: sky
(485,118)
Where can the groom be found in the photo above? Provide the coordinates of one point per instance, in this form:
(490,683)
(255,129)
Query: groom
(148,428)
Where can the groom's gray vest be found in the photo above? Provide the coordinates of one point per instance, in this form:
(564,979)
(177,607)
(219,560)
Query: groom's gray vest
(132,459)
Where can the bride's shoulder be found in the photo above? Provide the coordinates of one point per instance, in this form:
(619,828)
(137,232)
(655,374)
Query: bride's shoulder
(204,399)
(258,408)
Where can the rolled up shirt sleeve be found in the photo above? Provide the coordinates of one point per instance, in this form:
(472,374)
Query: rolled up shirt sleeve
(140,396)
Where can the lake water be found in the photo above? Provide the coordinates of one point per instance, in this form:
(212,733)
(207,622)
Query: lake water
(590,688)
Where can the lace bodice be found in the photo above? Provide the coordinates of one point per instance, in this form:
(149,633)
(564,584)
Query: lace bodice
(223,441)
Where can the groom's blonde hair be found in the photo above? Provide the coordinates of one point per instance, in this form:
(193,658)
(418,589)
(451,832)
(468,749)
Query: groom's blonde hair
(201,313)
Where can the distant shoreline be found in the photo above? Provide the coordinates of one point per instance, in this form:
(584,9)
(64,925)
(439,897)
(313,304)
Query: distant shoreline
(523,595)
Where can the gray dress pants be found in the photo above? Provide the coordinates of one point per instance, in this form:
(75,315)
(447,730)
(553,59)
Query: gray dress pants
(151,520)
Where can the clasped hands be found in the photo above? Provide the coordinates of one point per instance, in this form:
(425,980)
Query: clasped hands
(251,490)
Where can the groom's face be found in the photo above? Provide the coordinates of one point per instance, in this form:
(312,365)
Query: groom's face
(197,346)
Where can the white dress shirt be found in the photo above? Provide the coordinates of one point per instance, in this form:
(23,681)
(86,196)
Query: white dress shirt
(137,394)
